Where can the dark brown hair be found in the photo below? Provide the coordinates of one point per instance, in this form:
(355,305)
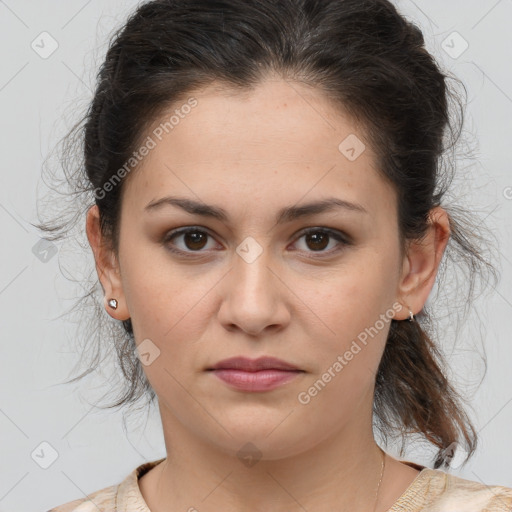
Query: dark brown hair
(373,64)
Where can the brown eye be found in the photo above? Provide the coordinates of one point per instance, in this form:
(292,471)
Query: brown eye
(318,239)
(193,240)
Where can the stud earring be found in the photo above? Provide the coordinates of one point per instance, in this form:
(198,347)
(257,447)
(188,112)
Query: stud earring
(112,303)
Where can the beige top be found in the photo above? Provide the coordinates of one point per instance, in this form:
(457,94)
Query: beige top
(432,490)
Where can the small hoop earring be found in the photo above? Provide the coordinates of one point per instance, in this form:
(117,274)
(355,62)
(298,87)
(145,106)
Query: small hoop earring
(411,316)
(112,303)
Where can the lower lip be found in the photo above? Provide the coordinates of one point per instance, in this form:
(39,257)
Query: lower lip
(262,380)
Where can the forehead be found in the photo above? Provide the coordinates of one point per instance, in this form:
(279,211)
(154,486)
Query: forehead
(279,138)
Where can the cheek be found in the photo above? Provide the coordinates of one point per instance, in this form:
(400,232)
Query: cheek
(154,292)
(355,306)
(355,295)
(169,303)
(166,311)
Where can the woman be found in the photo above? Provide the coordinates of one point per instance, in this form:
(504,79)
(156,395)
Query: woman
(267,227)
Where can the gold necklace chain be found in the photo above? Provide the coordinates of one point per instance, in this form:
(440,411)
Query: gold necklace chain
(381,475)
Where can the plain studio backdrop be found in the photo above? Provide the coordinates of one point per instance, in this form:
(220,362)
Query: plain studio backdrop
(54,445)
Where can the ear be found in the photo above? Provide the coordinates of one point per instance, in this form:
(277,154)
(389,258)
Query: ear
(107,266)
(421,263)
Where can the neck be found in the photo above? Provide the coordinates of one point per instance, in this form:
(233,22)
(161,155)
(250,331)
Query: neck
(340,473)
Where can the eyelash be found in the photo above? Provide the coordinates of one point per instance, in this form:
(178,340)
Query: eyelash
(336,235)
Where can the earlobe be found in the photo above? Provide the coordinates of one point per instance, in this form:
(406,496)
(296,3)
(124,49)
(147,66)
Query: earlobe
(107,267)
(112,305)
(421,262)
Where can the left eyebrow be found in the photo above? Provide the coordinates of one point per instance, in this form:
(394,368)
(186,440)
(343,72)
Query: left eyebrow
(286,214)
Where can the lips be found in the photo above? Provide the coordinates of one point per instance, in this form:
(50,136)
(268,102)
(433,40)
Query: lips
(253,365)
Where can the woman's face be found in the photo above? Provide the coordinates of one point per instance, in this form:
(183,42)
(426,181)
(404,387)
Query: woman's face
(248,281)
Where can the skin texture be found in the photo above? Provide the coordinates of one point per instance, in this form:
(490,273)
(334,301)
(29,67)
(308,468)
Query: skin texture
(299,300)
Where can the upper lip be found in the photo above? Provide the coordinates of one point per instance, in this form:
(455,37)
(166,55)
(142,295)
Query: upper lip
(254,365)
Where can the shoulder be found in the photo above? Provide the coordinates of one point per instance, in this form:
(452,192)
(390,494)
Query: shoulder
(439,491)
(475,496)
(124,496)
(103,500)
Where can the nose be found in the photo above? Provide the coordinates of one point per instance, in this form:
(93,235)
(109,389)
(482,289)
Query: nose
(253,297)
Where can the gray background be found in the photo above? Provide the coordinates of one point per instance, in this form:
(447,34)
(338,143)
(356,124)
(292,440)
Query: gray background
(39,100)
